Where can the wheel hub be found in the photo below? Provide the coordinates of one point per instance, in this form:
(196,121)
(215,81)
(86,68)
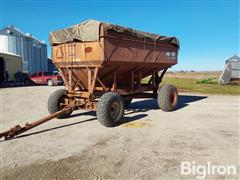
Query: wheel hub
(115,109)
(173,98)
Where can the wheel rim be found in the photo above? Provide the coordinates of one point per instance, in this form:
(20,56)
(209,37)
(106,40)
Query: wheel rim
(61,103)
(114,110)
(173,98)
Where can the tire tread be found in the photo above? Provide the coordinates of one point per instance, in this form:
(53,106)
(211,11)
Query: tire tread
(163,97)
(53,103)
(103,107)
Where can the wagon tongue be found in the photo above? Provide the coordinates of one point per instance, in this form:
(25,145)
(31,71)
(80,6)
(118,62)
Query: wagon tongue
(16,130)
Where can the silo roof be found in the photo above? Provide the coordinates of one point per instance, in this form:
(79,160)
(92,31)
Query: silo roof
(11,30)
(234,58)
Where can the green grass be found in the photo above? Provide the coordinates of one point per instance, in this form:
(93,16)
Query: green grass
(189,85)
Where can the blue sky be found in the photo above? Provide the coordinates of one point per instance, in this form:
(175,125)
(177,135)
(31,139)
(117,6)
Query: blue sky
(208,30)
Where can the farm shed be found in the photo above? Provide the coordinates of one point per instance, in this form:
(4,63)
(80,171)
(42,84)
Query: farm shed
(21,52)
(231,70)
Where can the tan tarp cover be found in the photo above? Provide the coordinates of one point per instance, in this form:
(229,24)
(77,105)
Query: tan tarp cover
(88,31)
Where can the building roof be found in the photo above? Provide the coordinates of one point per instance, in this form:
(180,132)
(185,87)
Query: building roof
(233,58)
(13,31)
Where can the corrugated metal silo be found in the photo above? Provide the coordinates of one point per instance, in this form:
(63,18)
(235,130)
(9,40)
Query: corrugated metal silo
(235,66)
(231,70)
(32,51)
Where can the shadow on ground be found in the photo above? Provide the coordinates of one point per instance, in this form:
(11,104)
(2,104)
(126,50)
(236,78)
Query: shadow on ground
(139,106)
(148,104)
(55,128)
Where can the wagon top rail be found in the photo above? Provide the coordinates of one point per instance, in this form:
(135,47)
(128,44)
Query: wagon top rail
(89,31)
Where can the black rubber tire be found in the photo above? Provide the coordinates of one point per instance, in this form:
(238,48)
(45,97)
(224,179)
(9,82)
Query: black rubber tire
(167,97)
(105,106)
(54,101)
(127,102)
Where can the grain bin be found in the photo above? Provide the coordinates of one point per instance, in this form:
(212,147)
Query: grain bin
(231,70)
(33,53)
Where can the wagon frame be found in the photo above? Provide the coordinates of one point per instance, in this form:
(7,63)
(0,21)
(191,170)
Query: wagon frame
(93,92)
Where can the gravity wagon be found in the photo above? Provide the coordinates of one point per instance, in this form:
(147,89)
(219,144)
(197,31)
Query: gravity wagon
(103,65)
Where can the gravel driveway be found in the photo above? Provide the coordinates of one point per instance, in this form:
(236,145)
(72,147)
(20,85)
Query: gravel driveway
(149,144)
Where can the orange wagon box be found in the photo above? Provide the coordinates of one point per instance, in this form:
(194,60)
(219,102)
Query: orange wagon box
(103,65)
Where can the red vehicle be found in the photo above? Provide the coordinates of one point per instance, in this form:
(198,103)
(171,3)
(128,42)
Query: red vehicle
(46,78)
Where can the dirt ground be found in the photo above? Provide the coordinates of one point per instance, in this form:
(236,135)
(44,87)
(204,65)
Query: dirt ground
(149,144)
